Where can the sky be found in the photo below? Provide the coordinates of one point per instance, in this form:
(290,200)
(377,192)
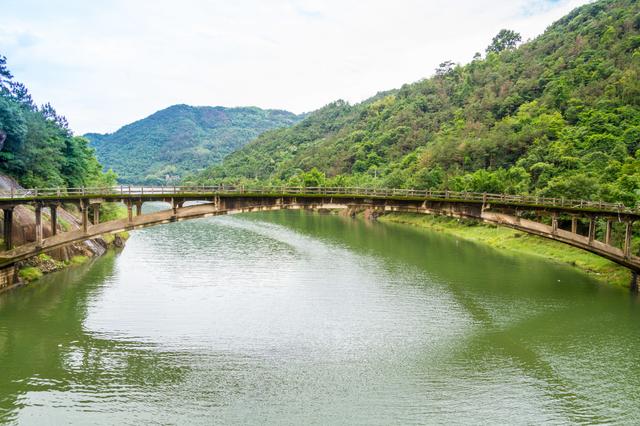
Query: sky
(108,63)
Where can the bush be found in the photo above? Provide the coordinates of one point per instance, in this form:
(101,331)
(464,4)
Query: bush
(30,274)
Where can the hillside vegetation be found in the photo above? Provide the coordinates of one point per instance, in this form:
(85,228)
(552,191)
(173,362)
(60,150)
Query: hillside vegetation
(37,147)
(558,116)
(164,146)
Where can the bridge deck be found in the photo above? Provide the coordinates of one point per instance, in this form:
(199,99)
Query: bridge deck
(506,210)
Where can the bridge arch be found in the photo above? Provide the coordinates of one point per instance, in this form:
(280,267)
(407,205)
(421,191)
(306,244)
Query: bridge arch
(516,212)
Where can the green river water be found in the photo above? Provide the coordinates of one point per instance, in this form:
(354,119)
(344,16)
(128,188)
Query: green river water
(296,318)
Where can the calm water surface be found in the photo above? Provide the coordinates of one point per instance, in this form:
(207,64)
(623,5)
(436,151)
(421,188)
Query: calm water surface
(294,318)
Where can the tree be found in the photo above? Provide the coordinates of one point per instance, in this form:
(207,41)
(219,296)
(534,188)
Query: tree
(313,178)
(445,68)
(5,75)
(505,40)
(21,94)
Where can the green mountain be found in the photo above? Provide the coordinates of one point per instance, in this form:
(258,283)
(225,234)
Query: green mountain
(164,146)
(558,115)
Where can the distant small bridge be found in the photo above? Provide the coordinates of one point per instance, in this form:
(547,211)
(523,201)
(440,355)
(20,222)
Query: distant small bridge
(543,216)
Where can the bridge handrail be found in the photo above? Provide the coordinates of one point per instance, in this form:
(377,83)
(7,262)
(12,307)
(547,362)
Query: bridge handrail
(131,190)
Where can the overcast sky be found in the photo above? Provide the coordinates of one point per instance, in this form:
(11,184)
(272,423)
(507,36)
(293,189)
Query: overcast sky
(107,63)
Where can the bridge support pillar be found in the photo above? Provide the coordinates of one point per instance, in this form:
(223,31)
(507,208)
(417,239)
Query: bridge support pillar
(554,223)
(96,214)
(139,208)
(574,225)
(84,209)
(130,211)
(592,230)
(38,212)
(627,239)
(8,228)
(607,233)
(54,219)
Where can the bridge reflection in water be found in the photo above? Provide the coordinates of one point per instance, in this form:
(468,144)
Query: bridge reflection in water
(541,216)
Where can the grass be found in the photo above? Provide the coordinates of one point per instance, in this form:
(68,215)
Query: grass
(112,211)
(509,240)
(30,273)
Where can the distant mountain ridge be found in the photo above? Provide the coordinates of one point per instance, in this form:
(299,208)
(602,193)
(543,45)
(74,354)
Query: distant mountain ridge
(182,139)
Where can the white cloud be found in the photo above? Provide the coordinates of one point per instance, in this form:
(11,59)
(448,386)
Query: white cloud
(105,64)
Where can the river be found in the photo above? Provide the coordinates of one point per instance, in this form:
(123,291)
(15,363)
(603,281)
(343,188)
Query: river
(296,318)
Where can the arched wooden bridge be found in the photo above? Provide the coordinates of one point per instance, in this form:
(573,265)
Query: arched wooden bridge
(546,217)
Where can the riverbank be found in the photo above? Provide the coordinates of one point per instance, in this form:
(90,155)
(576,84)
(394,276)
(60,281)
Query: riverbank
(509,240)
(34,268)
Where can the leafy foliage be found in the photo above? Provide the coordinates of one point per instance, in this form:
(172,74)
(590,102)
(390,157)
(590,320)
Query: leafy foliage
(506,39)
(558,115)
(36,145)
(164,146)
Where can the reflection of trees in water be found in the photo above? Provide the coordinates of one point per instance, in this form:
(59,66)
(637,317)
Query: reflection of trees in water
(522,318)
(43,345)
(517,303)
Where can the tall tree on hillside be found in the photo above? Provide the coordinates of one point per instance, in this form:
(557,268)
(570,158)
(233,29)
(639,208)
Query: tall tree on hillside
(504,40)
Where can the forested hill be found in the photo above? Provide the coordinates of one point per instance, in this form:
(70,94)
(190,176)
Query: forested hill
(37,147)
(162,147)
(558,115)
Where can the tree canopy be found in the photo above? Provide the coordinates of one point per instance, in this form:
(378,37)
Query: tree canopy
(36,145)
(504,40)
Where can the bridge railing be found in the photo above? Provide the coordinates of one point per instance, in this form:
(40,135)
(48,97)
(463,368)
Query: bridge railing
(135,190)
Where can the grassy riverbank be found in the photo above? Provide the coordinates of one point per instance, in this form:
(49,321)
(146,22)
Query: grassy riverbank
(42,264)
(509,240)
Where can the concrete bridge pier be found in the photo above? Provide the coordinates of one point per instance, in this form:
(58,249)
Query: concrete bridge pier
(8,228)
(130,211)
(53,209)
(139,208)
(177,204)
(574,225)
(607,232)
(84,211)
(38,212)
(627,239)
(554,223)
(592,230)
(96,213)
